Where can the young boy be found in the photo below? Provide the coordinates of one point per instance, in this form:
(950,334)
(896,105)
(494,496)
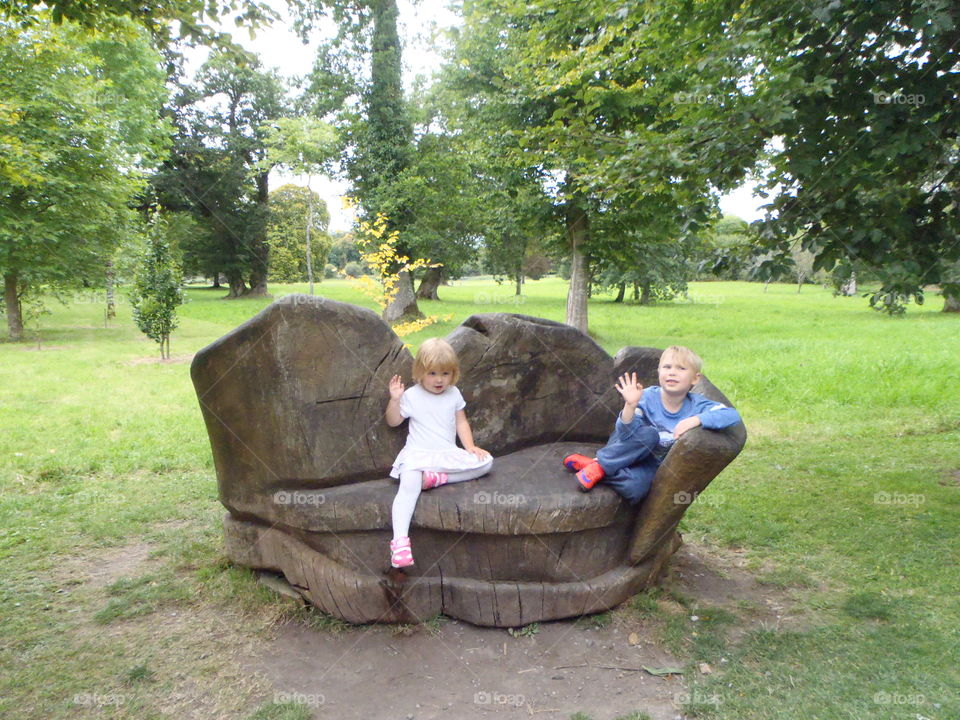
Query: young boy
(650,422)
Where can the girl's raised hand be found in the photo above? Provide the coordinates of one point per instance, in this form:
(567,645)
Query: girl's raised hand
(629,388)
(396,388)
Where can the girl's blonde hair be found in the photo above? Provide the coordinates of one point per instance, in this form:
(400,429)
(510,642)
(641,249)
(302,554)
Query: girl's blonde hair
(684,355)
(436,354)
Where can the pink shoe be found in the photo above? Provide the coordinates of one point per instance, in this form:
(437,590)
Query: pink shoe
(433,479)
(400,553)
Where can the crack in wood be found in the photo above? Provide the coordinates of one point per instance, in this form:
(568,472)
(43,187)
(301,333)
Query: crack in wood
(345,398)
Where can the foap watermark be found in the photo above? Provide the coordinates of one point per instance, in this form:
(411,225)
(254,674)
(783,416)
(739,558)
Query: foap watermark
(96,297)
(300,299)
(897,98)
(696,697)
(485,697)
(898,498)
(308,699)
(695,98)
(89,699)
(686,498)
(298,497)
(485,298)
(485,497)
(704,299)
(894,698)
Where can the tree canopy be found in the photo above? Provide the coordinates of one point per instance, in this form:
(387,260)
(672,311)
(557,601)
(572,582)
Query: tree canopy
(79,126)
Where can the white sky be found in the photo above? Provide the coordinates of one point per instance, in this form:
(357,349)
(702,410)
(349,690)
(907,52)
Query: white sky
(280,48)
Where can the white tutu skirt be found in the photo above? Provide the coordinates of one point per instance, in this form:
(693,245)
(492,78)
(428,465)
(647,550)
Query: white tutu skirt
(449,460)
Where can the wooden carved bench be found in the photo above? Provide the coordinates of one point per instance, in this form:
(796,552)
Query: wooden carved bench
(293,401)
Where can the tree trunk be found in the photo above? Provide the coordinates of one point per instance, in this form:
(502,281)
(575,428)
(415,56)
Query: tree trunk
(621,291)
(309,223)
(258,243)
(432,279)
(951,303)
(645,293)
(11,299)
(578,233)
(403,307)
(216,281)
(111,305)
(519,285)
(237,286)
(850,286)
(636,291)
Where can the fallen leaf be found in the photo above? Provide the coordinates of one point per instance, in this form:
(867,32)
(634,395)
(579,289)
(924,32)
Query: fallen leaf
(660,672)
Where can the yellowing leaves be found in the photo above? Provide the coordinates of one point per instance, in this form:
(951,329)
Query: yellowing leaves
(387,263)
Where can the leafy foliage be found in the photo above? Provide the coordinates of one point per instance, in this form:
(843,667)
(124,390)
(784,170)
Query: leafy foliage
(286,233)
(78,128)
(381,255)
(159,17)
(219,167)
(156,290)
(867,174)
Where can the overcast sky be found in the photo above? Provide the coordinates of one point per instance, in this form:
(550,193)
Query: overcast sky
(280,48)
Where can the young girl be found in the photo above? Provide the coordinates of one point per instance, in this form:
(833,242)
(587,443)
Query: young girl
(431,457)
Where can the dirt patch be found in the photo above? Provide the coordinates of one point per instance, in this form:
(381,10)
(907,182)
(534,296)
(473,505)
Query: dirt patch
(951,479)
(711,577)
(208,661)
(467,672)
(105,567)
(461,671)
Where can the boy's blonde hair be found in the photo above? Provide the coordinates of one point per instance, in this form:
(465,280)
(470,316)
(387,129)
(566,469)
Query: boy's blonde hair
(683,355)
(436,354)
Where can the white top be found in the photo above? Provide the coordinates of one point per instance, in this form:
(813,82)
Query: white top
(432,432)
(433,418)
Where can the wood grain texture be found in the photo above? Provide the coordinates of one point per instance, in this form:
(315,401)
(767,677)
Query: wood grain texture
(293,403)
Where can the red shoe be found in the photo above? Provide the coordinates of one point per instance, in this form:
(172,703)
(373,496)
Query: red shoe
(576,461)
(590,476)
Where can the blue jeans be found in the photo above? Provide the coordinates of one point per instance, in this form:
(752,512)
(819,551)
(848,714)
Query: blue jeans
(630,460)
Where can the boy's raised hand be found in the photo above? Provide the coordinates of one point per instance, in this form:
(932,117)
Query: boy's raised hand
(396,387)
(629,388)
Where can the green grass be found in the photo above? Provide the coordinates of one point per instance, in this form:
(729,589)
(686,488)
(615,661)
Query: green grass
(847,495)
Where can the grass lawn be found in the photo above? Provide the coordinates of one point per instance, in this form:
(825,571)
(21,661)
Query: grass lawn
(846,497)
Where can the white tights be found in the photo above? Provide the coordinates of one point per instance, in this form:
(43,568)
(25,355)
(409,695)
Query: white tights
(411,482)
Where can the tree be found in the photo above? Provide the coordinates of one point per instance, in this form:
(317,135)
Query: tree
(518,221)
(79,125)
(343,250)
(249,99)
(728,248)
(156,290)
(442,183)
(219,168)
(304,145)
(295,211)
(159,17)
(867,176)
(377,133)
(595,96)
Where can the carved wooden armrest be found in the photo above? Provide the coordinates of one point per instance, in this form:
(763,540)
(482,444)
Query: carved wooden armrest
(693,461)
